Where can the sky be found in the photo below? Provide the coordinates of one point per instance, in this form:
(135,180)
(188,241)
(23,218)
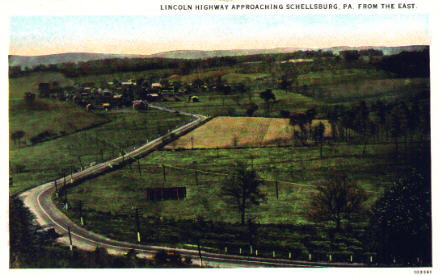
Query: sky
(42,35)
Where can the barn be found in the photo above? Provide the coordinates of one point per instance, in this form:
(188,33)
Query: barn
(168,193)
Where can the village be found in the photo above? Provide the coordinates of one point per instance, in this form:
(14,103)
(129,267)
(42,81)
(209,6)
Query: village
(118,94)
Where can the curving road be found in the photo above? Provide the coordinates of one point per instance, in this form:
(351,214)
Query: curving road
(39,201)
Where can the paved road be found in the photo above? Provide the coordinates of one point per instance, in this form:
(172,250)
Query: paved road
(39,201)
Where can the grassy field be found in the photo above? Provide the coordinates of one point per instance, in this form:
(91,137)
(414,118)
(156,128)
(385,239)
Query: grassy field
(122,76)
(227,75)
(109,200)
(285,164)
(44,161)
(58,118)
(218,104)
(317,78)
(19,86)
(241,132)
(382,89)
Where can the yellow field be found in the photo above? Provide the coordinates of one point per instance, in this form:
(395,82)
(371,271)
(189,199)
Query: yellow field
(229,132)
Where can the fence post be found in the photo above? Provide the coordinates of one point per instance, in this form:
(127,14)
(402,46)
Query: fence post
(256,252)
(290,255)
(226,249)
(351,258)
(70,239)
(240,250)
(273,253)
(138,227)
(80,212)
(310,257)
(330,257)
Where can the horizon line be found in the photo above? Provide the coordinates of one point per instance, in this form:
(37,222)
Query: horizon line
(235,49)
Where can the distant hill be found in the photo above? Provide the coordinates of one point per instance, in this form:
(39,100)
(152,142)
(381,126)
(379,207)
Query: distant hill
(32,61)
(198,54)
(194,54)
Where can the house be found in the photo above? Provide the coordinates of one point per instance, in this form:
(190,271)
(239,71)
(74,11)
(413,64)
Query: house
(106,106)
(153,97)
(106,93)
(140,105)
(156,85)
(89,107)
(194,99)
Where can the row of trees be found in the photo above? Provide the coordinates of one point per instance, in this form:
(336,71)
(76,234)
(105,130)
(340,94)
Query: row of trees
(379,121)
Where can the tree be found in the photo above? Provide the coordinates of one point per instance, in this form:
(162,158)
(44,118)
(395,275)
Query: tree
(396,124)
(318,135)
(400,224)
(337,199)
(285,83)
(310,116)
(251,108)
(299,119)
(268,96)
(242,189)
(242,88)
(29,98)
(17,135)
(350,55)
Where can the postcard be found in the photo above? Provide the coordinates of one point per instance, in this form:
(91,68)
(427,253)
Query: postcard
(220,134)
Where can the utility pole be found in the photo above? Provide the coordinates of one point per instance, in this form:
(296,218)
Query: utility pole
(196,173)
(200,252)
(70,238)
(164,175)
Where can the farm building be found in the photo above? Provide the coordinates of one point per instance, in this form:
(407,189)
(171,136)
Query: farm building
(169,193)
(156,85)
(140,105)
(106,106)
(43,89)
